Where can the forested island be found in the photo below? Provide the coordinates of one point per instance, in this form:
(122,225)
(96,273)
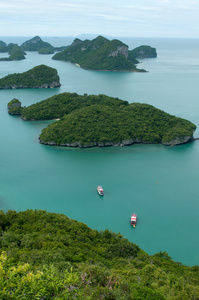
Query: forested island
(103,54)
(100,120)
(50,256)
(14,51)
(38,77)
(97,54)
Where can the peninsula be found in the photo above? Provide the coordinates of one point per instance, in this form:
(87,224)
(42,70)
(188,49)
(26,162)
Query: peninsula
(99,121)
(103,54)
(38,77)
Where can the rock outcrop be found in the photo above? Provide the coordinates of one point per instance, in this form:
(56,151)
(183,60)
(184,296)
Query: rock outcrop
(120,50)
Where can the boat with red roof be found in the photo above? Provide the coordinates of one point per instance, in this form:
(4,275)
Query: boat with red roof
(133,219)
(100,190)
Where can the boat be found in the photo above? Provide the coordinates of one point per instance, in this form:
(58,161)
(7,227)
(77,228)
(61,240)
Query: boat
(133,219)
(100,190)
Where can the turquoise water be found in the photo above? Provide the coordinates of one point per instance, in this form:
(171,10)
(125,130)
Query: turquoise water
(159,183)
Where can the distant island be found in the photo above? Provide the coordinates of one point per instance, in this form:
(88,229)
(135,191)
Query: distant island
(97,54)
(18,52)
(100,121)
(38,77)
(14,51)
(36,44)
(103,54)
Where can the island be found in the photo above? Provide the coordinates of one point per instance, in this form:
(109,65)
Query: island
(144,51)
(103,54)
(15,52)
(14,107)
(36,44)
(2,44)
(101,121)
(47,255)
(40,76)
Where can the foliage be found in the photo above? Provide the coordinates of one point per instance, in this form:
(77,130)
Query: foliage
(46,51)
(14,107)
(15,52)
(49,256)
(106,121)
(7,48)
(35,44)
(98,54)
(2,44)
(59,105)
(40,76)
(100,119)
(143,52)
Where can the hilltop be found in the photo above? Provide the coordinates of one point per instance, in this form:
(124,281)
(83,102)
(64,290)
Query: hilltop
(38,77)
(100,54)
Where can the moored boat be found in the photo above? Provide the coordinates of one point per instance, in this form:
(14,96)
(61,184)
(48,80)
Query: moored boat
(100,190)
(133,219)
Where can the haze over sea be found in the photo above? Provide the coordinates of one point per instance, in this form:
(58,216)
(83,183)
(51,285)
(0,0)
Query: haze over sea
(157,182)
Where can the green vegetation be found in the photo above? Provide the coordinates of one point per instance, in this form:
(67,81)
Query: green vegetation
(98,120)
(14,107)
(59,105)
(39,77)
(35,44)
(46,51)
(143,52)
(99,125)
(15,52)
(7,48)
(99,54)
(2,44)
(49,256)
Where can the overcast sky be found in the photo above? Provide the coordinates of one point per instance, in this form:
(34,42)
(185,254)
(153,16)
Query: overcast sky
(127,18)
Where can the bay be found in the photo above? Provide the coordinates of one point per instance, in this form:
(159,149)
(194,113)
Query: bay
(159,183)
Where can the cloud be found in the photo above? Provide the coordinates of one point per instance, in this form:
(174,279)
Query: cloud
(67,17)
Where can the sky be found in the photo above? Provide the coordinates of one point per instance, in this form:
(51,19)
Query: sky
(117,18)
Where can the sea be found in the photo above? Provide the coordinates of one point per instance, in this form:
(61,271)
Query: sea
(159,183)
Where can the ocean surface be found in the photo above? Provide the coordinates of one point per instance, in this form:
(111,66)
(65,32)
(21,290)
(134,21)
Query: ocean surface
(159,183)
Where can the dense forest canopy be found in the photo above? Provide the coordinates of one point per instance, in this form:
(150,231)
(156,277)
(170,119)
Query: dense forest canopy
(100,120)
(49,256)
(99,125)
(40,76)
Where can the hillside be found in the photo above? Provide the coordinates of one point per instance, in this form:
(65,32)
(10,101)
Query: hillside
(38,77)
(49,256)
(59,105)
(99,120)
(99,54)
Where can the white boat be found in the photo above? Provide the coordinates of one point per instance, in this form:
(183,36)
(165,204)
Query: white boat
(100,190)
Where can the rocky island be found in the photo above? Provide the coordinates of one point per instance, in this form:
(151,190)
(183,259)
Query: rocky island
(38,77)
(100,121)
(103,54)
(14,107)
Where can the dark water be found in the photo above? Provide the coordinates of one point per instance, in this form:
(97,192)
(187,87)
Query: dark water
(159,183)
